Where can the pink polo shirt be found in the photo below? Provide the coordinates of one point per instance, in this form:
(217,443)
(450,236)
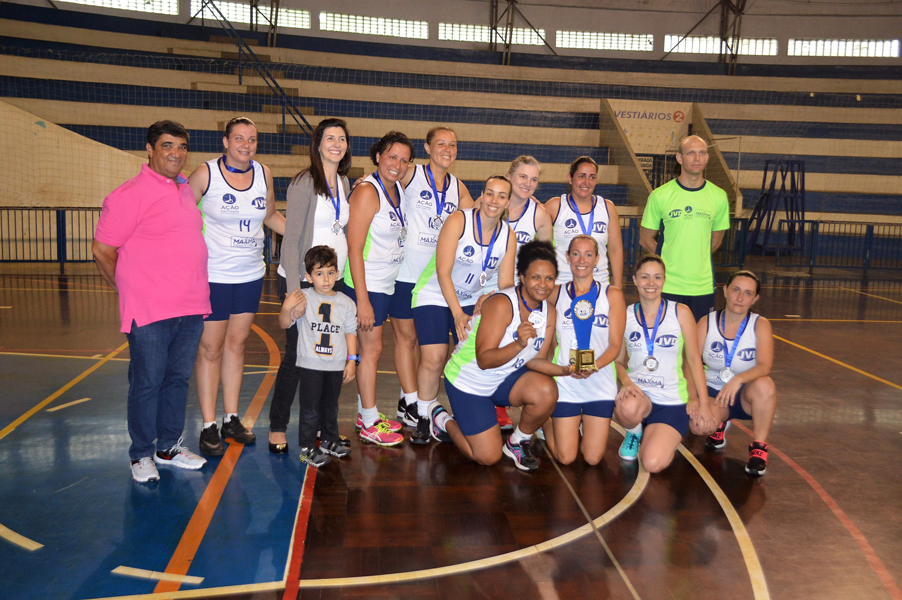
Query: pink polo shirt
(162,267)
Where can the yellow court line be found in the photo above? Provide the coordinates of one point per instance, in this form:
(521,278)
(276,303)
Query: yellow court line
(67,404)
(840,363)
(9,428)
(618,509)
(156,575)
(752,564)
(56,356)
(871,295)
(834,320)
(19,540)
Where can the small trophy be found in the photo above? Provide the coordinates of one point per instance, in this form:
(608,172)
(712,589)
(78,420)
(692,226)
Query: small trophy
(582,360)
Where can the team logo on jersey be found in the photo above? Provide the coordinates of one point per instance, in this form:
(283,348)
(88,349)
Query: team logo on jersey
(469,251)
(675,213)
(523,237)
(650,381)
(244,242)
(746,354)
(600,321)
(570,223)
(259,203)
(393,217)
(229,198)
(688,209)
(716,347)
(666,341)
(599,227)
(426,195)
(428,239)
(449,208)
(493,262)
(634,336)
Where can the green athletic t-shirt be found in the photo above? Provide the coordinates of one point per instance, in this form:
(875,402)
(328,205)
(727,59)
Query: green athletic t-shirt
(689,216)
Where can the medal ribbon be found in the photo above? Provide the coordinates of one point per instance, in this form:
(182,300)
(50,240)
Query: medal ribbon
(396,209)
(583,327)
(233,169)
(579,216)
(336,200)
(525,305)
(640,315)
(728,356)
(486,256)
(439,204)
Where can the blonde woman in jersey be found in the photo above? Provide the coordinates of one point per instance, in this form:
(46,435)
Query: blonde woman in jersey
(582,212)
(504,362)
(431,195)
(590,315)
(659,335)
(377,234)
(236,197)
(529,221)
(473,244)
(738,352)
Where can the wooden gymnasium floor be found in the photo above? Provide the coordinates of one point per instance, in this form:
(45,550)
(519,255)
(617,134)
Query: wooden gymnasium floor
(422,522)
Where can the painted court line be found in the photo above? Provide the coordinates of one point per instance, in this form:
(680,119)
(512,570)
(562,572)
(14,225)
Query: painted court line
(200,520)
(618,509)
(840,363)
(19,540)
(752,564)
(145,574)
(299,536)
(67,404)
(12,426)
(873,560)
(871,295)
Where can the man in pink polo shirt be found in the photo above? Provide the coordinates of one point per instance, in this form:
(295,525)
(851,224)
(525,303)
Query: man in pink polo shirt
(149,246)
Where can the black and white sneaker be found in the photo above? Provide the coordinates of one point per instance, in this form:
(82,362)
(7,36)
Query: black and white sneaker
(210,442)
(314,457)
(423,432)
(408,414)
(522,454)
(335,449)
(233,428)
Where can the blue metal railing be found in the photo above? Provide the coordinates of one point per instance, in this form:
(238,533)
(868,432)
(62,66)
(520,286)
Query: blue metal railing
(839,244)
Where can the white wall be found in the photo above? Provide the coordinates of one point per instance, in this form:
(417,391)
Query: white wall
(781,19)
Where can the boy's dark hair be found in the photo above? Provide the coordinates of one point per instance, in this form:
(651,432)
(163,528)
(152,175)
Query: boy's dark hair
(320,256)
(161,128)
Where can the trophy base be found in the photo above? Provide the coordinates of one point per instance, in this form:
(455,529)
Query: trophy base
(582,360)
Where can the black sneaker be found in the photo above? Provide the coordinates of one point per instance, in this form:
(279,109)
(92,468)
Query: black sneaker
(335,449)
(408,414)
(757,465)
(423,433)
(718,440)
(210,443)
(314,457)
(344,441)
(238,432)
(522,455)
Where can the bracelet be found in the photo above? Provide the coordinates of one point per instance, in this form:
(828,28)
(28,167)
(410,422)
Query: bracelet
(354,357)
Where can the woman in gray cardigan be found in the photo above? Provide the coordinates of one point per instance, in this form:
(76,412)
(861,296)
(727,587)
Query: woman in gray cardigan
(317,215)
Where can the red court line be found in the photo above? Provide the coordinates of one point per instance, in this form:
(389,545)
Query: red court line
(296,556)
(873,560)
(197,527)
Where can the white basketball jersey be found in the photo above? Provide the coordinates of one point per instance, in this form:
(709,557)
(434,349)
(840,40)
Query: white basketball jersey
(420,211)
(566,227)
(384,248)
(468,267)
(666,384)
(464,373)
(233,227)
(717,347)
(601,385)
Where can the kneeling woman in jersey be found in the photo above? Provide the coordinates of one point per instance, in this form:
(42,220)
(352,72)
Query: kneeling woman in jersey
(738,351)
(472,245)
(659,336)
(590,317)
(504,362)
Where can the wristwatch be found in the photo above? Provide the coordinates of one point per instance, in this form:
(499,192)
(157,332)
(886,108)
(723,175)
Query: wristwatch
(354,357)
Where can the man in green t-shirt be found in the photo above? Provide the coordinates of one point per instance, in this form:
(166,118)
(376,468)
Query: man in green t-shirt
(695,213)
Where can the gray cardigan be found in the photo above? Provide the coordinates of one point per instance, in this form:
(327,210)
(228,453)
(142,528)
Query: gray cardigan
(299,221)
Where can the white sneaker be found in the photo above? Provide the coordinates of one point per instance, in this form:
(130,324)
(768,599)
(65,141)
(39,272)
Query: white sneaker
(143,470)
(179,456)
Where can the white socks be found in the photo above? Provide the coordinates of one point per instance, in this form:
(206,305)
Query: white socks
(518,436)
(423,406)
(409,398)
(228,417)
(369,416)
(636,430)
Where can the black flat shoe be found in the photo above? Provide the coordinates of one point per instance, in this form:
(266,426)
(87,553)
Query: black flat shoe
(278,448)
